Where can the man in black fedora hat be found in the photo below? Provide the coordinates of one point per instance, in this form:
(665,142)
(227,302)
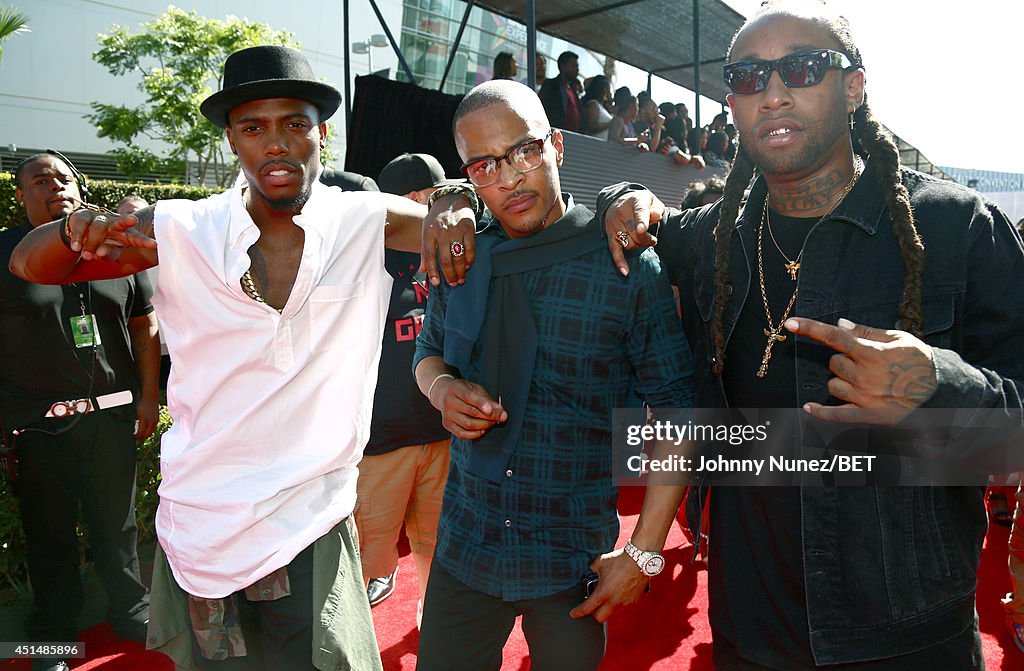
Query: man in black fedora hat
(273,297)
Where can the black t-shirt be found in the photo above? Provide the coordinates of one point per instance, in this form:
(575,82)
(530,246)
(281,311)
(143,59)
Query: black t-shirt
(755,581)
(39,363)
(401,413)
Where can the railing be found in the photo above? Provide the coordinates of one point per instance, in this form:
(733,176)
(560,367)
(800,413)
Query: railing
(591,164)
(101,166)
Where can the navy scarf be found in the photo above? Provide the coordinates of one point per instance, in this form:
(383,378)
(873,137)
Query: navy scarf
(493,307)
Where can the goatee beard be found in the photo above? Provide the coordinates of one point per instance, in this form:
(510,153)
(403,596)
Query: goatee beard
(291,204)
(288,204)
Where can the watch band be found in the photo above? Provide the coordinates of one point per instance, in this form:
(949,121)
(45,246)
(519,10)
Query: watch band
(651,563)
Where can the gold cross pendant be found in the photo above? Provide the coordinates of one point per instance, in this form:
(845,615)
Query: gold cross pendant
(792,267)
(773,337)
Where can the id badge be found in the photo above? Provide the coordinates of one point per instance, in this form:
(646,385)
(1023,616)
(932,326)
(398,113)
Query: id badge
(84,331)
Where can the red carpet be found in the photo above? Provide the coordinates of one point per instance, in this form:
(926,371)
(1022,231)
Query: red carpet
(106,652)
(666,631)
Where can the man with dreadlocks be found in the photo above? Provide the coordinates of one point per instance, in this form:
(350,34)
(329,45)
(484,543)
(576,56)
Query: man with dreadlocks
(833,231)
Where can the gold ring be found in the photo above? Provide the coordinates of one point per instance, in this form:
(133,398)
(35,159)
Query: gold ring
(623,238)
(457,249)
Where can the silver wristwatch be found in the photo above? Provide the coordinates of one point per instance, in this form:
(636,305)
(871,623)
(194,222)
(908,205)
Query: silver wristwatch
(650,563)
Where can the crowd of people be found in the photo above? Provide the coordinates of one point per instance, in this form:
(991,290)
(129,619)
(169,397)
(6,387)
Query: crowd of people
(591,107)
(352,356)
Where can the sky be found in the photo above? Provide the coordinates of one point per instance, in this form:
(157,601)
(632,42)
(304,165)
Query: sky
(946,76)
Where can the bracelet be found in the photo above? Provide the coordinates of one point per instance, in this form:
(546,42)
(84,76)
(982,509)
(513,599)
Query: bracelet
(431,387)
(65,231)
(459,190)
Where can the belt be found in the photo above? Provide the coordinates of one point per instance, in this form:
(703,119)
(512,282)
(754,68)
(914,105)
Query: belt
(83,406)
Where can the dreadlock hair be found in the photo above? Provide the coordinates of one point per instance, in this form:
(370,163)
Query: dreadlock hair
(869,138)
(739,177)
(877,143)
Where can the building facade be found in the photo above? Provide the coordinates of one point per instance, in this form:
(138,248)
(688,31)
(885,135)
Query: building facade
(48,79)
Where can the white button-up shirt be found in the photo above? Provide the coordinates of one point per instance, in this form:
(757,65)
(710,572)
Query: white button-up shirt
(271,410)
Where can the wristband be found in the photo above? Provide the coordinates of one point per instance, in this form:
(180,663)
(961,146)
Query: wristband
(431,387)
(461,190)
(65,231)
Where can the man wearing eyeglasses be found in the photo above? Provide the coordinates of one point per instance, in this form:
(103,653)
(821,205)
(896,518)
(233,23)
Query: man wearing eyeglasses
(925,282)
(526,361)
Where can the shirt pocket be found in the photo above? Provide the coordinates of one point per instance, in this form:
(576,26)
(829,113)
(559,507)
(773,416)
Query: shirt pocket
(329,319)
(938,311)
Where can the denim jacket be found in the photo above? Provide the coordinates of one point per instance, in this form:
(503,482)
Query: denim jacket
(887,570)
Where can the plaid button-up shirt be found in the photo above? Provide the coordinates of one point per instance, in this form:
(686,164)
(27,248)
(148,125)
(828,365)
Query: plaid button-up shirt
(535,533)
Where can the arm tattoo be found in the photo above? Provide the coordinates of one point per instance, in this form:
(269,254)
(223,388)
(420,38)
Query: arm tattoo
(910,385)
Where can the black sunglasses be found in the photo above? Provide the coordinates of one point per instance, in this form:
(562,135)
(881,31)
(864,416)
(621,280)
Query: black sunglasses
(800,69)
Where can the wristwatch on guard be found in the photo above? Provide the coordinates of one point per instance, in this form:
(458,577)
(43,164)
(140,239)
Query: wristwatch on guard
(650,563)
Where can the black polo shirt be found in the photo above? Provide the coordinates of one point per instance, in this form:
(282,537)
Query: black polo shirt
(39,363)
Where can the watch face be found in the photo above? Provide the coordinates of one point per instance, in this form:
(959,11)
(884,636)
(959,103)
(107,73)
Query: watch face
(654,565)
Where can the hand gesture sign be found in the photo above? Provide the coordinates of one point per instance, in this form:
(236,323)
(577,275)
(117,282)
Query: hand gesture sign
(879,375)
(96,234)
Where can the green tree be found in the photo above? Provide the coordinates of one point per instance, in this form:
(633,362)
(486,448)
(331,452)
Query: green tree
(180,57)
(12,22)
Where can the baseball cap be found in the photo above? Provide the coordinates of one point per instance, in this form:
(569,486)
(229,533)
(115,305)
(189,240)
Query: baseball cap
(413,172)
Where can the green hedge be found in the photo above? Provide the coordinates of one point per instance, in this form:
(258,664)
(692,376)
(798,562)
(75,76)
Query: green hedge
(12,539)
(103,192)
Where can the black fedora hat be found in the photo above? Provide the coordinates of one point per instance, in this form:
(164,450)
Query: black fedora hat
(268,72)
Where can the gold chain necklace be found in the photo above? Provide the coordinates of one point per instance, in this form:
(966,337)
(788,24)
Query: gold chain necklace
(249,287)
(792,266)
(774,330)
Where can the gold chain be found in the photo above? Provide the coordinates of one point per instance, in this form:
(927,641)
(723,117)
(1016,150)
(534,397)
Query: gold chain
(792,265)
(95,208)
(249,287)
(774,330)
